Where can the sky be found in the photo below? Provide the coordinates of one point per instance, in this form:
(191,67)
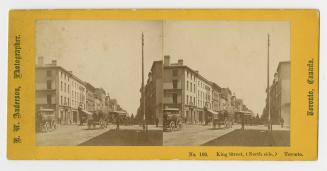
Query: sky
(104,53)
(107,54)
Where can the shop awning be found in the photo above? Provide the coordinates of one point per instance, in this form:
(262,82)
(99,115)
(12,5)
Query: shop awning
(171,109)
(245,113)
(87,112)
(120,112)
(46,110)
(213,112)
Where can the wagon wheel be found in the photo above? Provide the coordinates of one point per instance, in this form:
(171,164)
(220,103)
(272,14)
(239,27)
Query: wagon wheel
(46,126)
(88,124)
(54,125)
(172,125)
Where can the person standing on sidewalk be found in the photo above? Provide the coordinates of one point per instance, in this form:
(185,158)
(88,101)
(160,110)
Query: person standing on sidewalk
(281,122)
(117,122)
(243,121)
(157,122)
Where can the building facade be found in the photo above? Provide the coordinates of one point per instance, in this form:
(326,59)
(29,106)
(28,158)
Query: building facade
(90,97)
(279,93)
(186,90)
(100,100)
(216,91)
(153,93)
(60,90)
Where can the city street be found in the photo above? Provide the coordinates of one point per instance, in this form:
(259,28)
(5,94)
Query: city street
(195,135)
(253,136)
(72,135)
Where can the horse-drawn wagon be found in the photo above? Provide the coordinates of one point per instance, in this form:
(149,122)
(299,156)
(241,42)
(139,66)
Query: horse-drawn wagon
(46,120)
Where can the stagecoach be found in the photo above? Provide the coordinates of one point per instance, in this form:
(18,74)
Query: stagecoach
(46,120)
(97,118)
(172,119)
(223,118)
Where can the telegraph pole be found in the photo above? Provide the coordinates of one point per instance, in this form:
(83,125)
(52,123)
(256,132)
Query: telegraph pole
(268,88)
(143,91)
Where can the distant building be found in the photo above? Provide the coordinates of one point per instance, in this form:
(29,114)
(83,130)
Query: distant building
(100,99)
(90,97)
(60,90)
(216,91)
(226,102)
(113,104)
(107,104)
(279,96)
(153,93)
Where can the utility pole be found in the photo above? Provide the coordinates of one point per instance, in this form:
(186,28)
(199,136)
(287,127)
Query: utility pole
(145,126)
(268,88)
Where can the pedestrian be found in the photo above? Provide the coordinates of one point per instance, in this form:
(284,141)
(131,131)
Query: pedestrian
(243,121)
(281,122)
(157,122)
(117,122)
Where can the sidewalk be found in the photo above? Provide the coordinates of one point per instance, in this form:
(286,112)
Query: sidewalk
(194,135)
(67,135)
(72,135)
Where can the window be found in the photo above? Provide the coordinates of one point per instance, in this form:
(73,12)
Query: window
(194,88)
(68,101)
(49,99)
(61,85)
(65,102)
(68,89)
(186,99)
(65,88)
(174,83)
(186,85)
(49,73)
(61,102)
(175,72)
(49,84)
(191,86)
(175,98)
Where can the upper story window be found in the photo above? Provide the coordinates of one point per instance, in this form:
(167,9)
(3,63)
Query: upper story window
(49,73)
(174,83)
(175,72)
(186,85)
(49,84)
(49,99)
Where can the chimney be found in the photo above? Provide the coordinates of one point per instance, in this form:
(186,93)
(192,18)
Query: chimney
(166,60)
(40,60)
(180,61)
(54,62)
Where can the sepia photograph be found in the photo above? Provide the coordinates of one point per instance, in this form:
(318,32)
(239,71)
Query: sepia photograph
(89,82)
(226,83)
(162,83)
